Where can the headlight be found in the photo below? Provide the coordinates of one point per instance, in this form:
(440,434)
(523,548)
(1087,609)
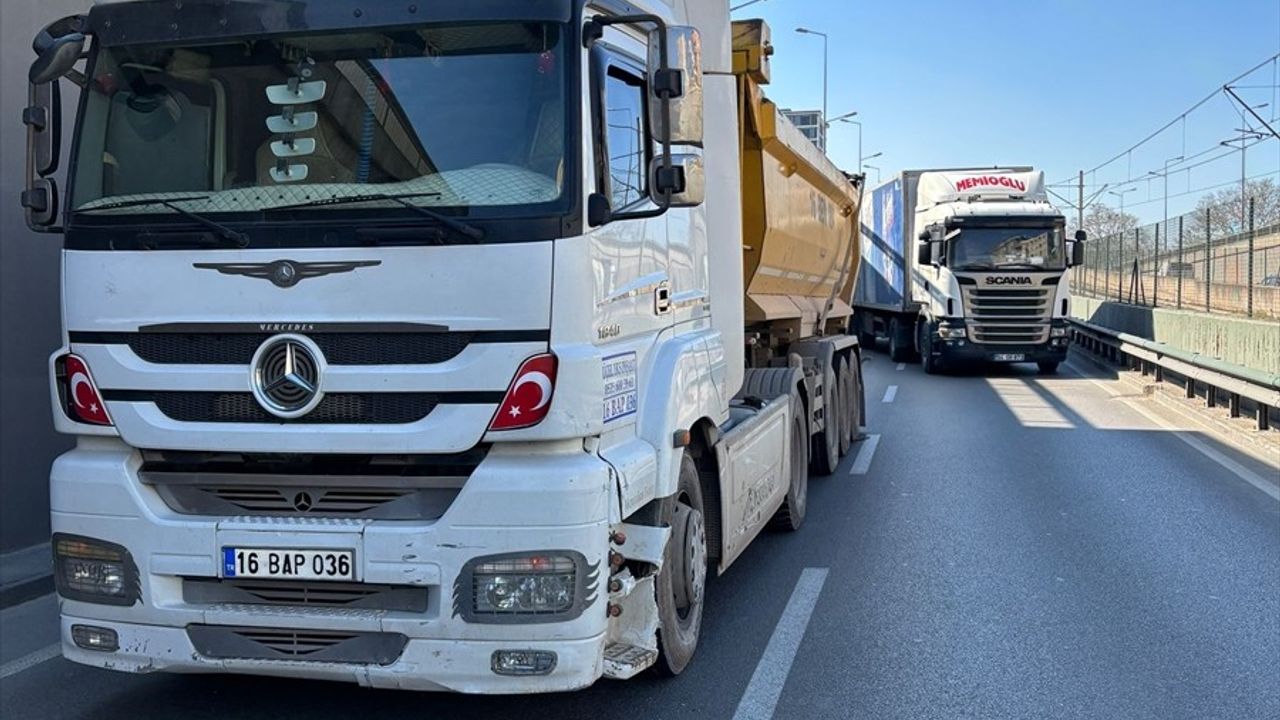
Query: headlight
(950,333)
(94,571)
(539,587)
(1058,332)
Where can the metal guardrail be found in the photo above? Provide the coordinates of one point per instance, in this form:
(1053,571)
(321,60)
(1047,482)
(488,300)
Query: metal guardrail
(1196,369)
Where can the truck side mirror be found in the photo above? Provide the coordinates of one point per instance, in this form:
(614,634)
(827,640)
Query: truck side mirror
(56,57)
(43,118)
(1081,236)
(924,252)
(686,180)
(675,84)
(1077,250)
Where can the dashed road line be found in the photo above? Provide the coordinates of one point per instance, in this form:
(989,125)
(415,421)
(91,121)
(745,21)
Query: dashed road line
(862,463)
(761,696)
(26,662)
(890,393)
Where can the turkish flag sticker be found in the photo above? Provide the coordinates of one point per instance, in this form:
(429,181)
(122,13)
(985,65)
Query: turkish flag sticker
(84,403)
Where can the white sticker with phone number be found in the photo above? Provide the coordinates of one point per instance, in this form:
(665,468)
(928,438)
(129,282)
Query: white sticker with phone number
(619,373)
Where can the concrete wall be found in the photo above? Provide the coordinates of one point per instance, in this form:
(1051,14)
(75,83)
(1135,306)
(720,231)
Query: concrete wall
(1251,343)
(30,320)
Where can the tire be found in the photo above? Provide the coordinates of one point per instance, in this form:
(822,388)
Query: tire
(848,409)
(791,515)
(825,455)
(931,365)
(899,346)
(681,584)
(1049,367)
(866,338)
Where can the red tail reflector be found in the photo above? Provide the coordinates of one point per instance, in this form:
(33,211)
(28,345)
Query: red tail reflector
(81,399)
(529,397)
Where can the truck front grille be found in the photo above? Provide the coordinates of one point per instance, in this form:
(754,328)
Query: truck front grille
(337,408)
(254,643)
(225,348)
(1008,316)
(211,591)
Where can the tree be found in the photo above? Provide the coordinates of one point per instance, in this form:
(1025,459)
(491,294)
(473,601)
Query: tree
(1228,216)
(1102,221)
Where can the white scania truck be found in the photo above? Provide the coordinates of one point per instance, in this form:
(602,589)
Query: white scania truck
(966,265)
(438,345)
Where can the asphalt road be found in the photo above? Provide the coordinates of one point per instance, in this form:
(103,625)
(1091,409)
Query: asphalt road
(1019,546)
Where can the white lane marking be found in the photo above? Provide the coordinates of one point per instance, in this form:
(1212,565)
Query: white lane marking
(761,696)
(902,366)
(1236,468)
(890,393)
(26,662)
(862,463)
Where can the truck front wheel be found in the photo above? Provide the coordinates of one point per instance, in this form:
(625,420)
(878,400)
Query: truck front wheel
(931,364)
(682,582)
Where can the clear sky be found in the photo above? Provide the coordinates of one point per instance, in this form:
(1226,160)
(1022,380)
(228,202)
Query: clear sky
(1063,85)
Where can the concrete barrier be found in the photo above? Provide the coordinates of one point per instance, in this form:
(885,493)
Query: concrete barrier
(1252,343)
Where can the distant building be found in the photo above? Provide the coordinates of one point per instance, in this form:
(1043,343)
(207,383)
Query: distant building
(811,123)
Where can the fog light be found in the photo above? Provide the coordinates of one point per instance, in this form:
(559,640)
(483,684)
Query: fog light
(94,571)
(91,637)
(523,662)
(1058,332)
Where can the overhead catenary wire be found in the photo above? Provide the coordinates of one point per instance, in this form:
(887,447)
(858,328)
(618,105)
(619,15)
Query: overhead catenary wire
(1179,117)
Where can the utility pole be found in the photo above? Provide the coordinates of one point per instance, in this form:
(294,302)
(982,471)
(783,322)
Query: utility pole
(1080,203)
(807,31)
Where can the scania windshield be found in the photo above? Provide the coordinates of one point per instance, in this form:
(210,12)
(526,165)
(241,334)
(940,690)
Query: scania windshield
(1007,248)
(467,119)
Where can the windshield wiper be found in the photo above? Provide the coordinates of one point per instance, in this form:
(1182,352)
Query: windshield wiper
(462,228)
(236,237)
(1033,266)
(975,266)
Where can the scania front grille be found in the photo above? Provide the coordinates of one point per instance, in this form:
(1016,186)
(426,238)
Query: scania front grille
(1009,316)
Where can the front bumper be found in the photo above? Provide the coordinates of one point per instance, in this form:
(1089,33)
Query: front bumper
(517,500)
(967,351)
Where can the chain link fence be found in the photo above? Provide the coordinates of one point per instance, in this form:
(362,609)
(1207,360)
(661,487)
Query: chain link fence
(1190,263)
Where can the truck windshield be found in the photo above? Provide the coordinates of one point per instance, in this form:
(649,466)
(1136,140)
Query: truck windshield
(995,248)
(462,117)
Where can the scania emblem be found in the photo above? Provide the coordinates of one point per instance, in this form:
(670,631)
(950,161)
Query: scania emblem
(286,376)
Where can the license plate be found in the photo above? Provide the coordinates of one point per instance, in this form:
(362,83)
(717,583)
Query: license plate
(1008,357)
(288,564)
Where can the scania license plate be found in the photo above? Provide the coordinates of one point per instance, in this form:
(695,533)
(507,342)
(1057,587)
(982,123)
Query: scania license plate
(288,564)
(1009,357)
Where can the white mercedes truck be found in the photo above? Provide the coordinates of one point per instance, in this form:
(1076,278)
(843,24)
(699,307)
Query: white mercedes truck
(413,344)
(966,266)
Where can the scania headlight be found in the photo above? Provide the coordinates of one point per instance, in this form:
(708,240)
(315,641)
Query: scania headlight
(533,587)
(951,332)
(1057,331)
(94,571)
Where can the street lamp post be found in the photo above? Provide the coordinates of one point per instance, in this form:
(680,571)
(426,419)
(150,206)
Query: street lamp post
(1120,194)
(873,167)
(863,158)
(807,31)
(745,4)
(1156,272)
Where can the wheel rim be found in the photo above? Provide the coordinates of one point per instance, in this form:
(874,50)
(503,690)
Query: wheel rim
(689,571)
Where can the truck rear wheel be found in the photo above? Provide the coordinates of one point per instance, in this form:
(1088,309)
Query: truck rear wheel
(682,582)
(900,341)
(825,454)
(791,515)
(848,405)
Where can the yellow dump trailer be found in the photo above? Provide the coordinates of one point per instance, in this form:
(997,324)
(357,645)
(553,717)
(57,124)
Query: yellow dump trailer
(800,212)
